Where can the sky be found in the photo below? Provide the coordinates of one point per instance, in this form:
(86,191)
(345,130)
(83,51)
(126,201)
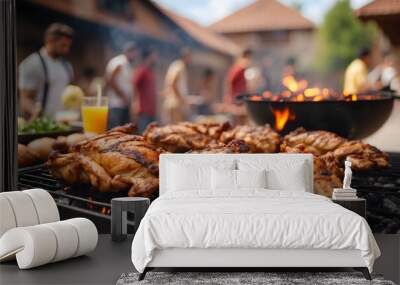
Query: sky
(207,12)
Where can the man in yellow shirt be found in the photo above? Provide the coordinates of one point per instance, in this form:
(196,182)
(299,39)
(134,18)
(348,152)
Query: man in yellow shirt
(356,75)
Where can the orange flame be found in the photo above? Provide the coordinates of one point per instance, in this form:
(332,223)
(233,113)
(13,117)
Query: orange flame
(282,117)
(105,211)
(293,85)
(312,92)
(298,90)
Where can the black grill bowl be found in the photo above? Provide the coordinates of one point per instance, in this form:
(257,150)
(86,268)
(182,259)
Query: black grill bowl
(349,119)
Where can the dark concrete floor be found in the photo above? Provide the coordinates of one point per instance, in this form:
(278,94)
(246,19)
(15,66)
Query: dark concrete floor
(389,263)
(103,266)
(110,260)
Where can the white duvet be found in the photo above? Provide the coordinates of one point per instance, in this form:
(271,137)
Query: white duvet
(250,219)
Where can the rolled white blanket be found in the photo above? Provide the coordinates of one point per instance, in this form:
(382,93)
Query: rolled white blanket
(31,231)
(67,239)
(32,246)
(23,208)
(40,244)
(7,218)
(87,235)
(26,208)
(45,206)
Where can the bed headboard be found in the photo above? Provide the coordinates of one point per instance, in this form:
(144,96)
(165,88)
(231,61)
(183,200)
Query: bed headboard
(210,158)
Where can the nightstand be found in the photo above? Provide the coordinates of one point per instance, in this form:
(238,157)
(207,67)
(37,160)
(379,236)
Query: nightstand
(358,205)
(120,207)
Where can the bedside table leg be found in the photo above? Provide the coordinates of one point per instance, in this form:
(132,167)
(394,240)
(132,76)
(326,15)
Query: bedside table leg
(143,274)
(364,271)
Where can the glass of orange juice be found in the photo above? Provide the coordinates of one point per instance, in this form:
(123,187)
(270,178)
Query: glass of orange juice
(95,114)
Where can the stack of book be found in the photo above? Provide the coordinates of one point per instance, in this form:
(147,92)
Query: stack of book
(344,194)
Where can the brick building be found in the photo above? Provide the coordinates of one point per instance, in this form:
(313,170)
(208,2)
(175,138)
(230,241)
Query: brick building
(386,13)
(271,29)
(102,27)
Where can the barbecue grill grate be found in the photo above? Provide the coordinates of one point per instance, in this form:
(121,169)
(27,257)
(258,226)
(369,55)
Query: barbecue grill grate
(39,177)
(73,201)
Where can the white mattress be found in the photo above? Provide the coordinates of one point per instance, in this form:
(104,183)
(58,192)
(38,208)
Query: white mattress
(253,219)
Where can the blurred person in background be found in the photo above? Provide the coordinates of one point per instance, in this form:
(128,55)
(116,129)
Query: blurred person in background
(266,73)
(386,74)
(89,81)
(119,89)
(236,80)
(254,79)
(144,107)
(175,106)
(44,74)
(206,92)
(356,74)
(290,67)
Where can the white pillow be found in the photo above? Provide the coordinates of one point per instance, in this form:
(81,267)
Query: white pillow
(290,180)
(223,179)
(186,175)
(182,178)
(281,175)
(251,178)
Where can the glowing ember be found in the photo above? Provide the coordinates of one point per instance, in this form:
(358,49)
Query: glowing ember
(90,205)
(282,117)
(293,85)
(298,91)
(312,92)
(104,210)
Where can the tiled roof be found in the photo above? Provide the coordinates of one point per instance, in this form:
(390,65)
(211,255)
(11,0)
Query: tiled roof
(263,15)
(204,35)
(379,8)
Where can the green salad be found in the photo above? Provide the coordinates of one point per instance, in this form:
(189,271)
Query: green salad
(41,125)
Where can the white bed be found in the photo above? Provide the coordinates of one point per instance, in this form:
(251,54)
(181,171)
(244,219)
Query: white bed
(251,226)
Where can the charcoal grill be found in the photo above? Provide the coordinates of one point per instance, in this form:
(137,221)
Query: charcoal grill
(350,119)
(73,201)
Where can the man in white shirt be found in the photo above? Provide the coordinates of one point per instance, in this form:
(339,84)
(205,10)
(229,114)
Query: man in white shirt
(175,107)
(386,73)
(44,74)
(119,72)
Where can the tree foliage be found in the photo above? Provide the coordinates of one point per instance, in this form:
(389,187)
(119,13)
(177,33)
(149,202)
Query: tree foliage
(341,36)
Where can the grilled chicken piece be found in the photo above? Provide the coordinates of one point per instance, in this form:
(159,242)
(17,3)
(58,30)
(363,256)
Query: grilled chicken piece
(126,129)
(235,146)
(315,142)
(110,162)
(324,184)
(363,156)
(184,136)
(260,139)
(327,172)
(25,156)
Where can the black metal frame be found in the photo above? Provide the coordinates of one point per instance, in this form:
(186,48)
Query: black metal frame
(8,97)
(363,270)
